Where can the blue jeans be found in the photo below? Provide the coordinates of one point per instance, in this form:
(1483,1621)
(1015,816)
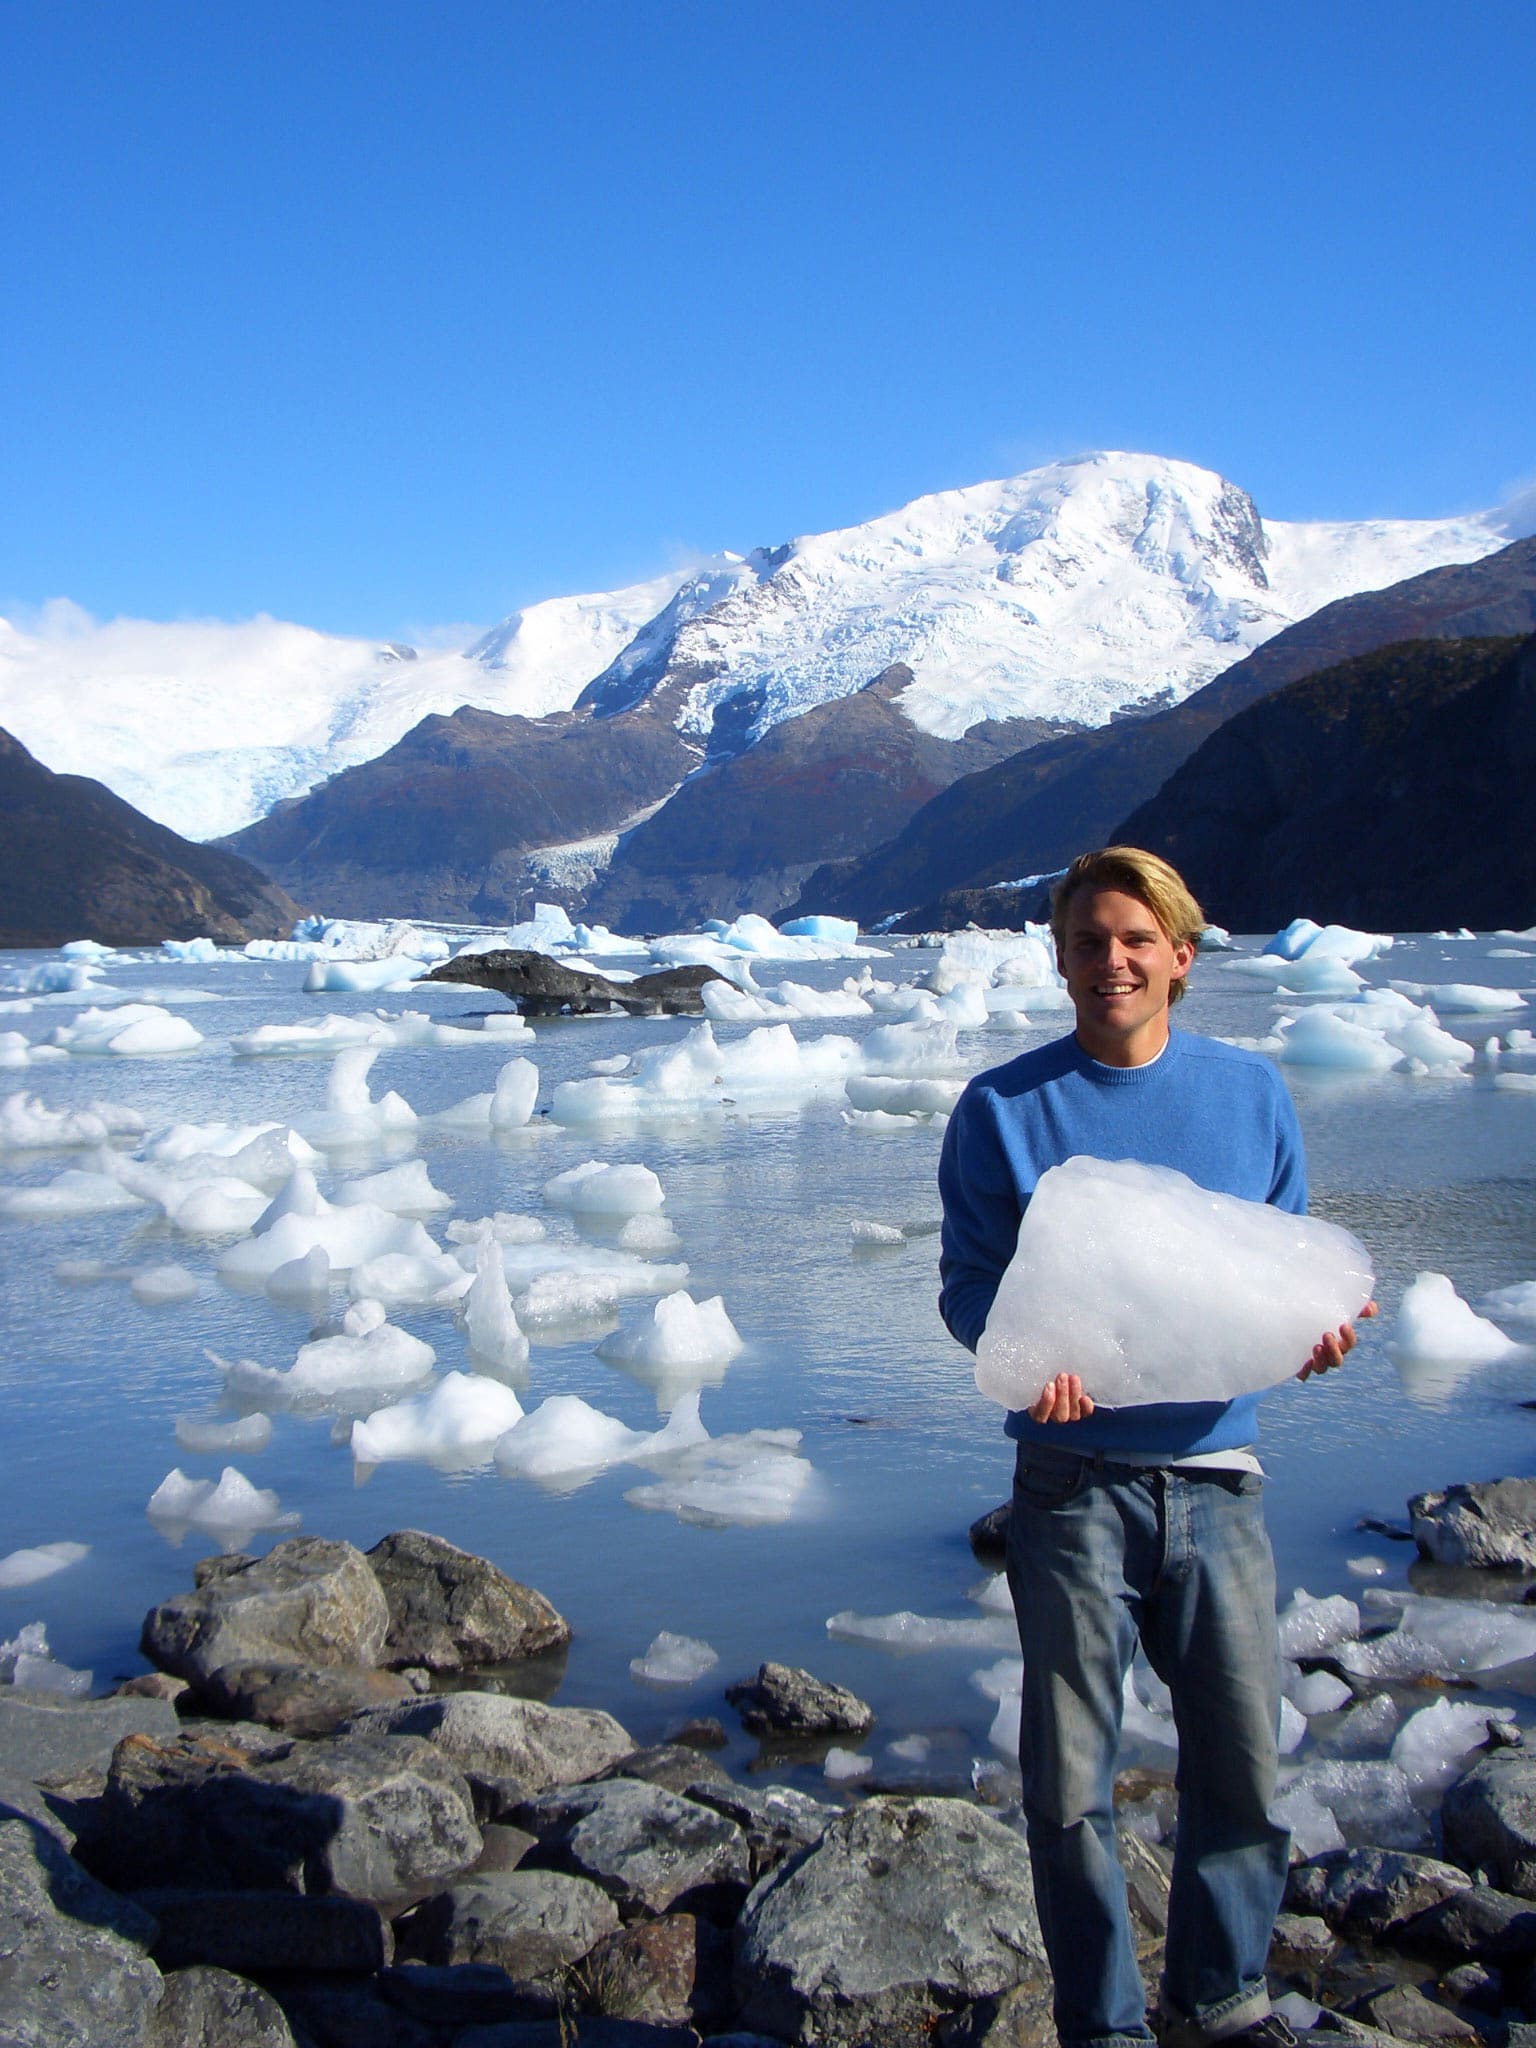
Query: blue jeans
(1099,1554)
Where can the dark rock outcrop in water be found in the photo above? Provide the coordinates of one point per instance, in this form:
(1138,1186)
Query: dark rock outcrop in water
(541,987)
(1397,792)
(1030,814)
(81,863)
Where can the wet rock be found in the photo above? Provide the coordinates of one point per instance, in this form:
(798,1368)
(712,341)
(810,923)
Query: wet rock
(1479,1922)
(1148,1871)
(73,1967)
(1409,2016)
(906,1910)
(40,1740)
(297,1699)
(776,1819)
(452,1611)
(1492,1524)
(461,1995)
(1488,1819)
(208,2008)
(151,1685)
(526,1922)
(783,1700)
(495,1736)
(309,1601)
(1372,1892)
(1476,1985)
(676,1969)
(646,1847)
(701,1731)
(1300,1945)
(253,1933)
(669,1765)
(989,1535)
(1020,2018)
(373,1816)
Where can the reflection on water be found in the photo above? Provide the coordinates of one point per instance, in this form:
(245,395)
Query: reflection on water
(842,1344)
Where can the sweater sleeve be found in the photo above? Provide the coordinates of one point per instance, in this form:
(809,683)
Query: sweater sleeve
(1288,1187)
(982,1212)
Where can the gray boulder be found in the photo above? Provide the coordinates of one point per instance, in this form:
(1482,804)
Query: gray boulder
(308,1601)
(73,1968)
(1407,2015)
(906,1910)
(670,1764)
(646,1847)
(296,1699)
(40,1740)
(783,1700)
(1489,1925)
(539,986)
(528,1922)
(776,1819)
(373,1816)
(206,2008)
(450,1610)
(673,1970)
(498,1737)
(1492,1524)
(254,1933)
(1488,1820)
(1372,1892)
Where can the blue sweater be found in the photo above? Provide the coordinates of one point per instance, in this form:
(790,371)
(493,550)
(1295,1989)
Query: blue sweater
(1219,1115)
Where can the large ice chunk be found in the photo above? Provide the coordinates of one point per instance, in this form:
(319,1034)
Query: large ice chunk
(1155,1289)
(459,1421)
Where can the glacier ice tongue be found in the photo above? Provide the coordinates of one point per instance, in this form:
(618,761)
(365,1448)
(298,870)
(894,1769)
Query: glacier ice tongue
(1155,1289)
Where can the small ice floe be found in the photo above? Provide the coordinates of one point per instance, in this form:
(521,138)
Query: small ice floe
(361,977)
(1439,1339)
(1309,1626)
(1432,1745)
(505,1226)
(369,1354)
(863,1231)
(300,1221)
(156,1286)
(229,1506)
(458,1422)
(565,1440)
(77,1191)
(207,1435)
(403,1190)
(750,1480)
(1516,1304)
(489,1319)
(508,1107)
(351,1114)
(26,1664)
(1315,1692)
(681,1338)
(726,1004)
(1366,1566)
(597,1190)
(27,1124)
(1469,1635)
(649,1237)
(905,1630)
(1462,998)
(768,1070)
(130,1031)
(674,1660)
(1370,1801)
(841,1765)
(403,1279)
(41,1561)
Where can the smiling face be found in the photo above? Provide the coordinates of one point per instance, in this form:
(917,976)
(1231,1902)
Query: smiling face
(1119,965)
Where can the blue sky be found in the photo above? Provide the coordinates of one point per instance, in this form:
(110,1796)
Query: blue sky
(387,317)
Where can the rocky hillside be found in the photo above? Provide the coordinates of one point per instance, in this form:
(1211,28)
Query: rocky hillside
(1032,813)
(1395,792)
(80,863)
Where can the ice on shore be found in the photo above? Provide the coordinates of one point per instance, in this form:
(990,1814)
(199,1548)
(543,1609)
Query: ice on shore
(1316,1692)
(1469,1635)
(39,1561)
(1371,1802)
(1312,1826)
(1432,1745)
(594,1189)
(1309,1626)
(1196,1296)
(225,1506)
(460,1419)
(674,1660)
(26,1664)
(205,1435)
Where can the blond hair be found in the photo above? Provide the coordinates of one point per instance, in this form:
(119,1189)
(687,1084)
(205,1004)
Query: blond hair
(1147,877)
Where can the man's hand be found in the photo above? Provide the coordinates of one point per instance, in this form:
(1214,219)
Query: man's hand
(1063,1400)
(1332,1349)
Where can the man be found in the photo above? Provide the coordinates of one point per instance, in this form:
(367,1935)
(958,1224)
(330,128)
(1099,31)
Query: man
(1141,1521)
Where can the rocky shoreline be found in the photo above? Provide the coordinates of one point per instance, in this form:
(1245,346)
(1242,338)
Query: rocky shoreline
(310,1827)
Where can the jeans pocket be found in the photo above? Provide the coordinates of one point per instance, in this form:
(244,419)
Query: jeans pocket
(1048,1486)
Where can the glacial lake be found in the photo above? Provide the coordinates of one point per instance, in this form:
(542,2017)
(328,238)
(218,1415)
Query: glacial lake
(843,1342)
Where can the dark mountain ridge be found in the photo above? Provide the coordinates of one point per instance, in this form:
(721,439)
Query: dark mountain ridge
(1032,813)
(81,863)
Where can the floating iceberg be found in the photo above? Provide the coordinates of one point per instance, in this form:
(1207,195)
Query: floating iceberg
(41,1561)
(461,1418)
(227,1506)
(1439,1339)
(1194,1296)
(674,1660)
(598,1190)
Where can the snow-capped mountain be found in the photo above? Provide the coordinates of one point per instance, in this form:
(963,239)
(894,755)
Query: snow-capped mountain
(1067,593)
